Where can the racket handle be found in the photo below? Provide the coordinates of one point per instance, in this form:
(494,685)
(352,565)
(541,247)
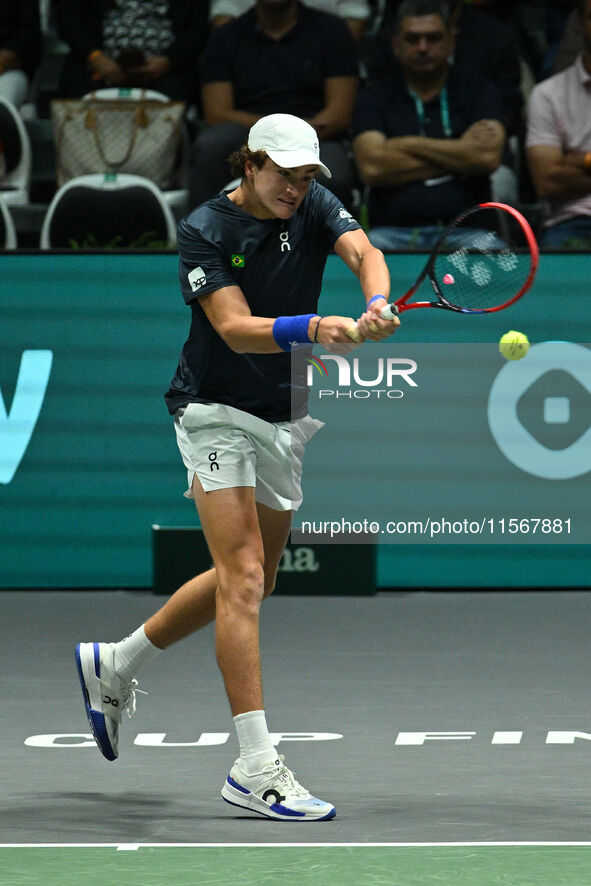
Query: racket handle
(388,313)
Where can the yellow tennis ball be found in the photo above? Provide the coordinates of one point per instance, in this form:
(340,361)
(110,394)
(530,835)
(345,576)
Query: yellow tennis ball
(514,345)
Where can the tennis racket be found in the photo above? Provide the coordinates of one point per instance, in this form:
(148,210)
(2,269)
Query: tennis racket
(484,261)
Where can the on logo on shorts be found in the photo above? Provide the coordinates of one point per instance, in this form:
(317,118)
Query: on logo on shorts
(213,461)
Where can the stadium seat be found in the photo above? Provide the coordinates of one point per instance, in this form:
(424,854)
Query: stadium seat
(7,229)
(108,211)
(16,181)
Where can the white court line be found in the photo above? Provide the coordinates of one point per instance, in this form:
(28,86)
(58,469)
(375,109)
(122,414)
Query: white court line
(134,846)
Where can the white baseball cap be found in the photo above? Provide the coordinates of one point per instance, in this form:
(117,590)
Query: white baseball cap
(289,141)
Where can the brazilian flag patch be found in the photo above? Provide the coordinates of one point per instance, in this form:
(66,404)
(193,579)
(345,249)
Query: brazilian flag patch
(237,260)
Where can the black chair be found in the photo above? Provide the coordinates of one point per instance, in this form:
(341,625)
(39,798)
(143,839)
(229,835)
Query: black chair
(108,212)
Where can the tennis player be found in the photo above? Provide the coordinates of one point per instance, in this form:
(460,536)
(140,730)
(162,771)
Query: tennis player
(251,268)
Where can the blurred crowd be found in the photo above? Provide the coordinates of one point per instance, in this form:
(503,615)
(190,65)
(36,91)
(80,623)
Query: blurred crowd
(422,107)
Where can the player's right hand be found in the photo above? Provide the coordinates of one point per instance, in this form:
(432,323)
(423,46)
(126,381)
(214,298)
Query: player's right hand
(332,332)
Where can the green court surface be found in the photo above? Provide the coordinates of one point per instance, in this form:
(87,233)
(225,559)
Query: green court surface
(462,864)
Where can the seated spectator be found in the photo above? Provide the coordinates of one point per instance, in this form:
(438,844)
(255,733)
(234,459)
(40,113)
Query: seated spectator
(355,12)
(20,48)
(279,57)
(483,46)
(153,44)
(486,47)
(559,147)
(425,140)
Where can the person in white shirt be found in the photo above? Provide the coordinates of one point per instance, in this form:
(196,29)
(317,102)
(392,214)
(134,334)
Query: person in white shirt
(558,144)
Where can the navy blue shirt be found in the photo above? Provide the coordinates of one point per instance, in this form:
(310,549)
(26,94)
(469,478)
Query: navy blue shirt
(485,47)
(284,76)
(386,106)
(279,265)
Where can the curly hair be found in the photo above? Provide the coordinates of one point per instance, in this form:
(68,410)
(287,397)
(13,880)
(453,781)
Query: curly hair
(238,160)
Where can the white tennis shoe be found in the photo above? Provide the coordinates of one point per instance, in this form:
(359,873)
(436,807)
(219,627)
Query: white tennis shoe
(275,793)
(105,694)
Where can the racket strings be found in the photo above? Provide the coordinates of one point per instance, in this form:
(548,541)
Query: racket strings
(483,261)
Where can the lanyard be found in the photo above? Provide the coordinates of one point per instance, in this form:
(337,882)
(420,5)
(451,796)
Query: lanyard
(443,110)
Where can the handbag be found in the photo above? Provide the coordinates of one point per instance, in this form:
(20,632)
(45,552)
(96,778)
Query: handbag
(137,136)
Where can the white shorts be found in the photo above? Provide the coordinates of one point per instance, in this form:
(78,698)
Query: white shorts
(227,447)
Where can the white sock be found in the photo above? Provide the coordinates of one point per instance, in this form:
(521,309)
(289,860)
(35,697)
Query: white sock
(256,747)
(132,653)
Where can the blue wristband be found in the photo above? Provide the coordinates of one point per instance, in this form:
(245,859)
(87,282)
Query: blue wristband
(288,331)
(374,298)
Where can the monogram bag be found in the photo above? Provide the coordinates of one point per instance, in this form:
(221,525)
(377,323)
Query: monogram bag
(137,136)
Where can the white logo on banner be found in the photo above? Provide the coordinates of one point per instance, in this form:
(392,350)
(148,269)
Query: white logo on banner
(17,426)
(515,442)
